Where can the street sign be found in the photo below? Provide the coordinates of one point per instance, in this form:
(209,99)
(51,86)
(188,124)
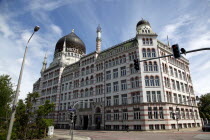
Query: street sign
(72,109)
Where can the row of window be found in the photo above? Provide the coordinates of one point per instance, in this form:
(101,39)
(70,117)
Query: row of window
(147,41)
(152,81)
(155,113)
(179,86)
(51,74)
(115,61)
(183,113)
(150,66)
(180,99)
(124,99)
(148,52)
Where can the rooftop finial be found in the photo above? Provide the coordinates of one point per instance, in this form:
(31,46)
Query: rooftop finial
(72,31)
(99,28)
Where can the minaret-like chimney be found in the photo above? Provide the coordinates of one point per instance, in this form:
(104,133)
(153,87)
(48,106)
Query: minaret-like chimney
(168,43)
(98,39)
(44,64)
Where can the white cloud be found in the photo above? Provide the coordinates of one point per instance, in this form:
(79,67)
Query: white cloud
(4,28)
(173,30)
(56,29)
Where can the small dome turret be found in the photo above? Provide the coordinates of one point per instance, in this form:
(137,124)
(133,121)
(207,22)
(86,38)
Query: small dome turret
(143,22)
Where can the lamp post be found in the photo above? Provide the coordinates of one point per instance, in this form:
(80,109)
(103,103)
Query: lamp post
(36,28)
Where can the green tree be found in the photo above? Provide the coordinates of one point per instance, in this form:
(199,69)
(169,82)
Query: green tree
(6,95)
(204,106)
(24,116)
(41,122)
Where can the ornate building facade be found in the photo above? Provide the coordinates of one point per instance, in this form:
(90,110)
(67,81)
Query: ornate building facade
(110,94)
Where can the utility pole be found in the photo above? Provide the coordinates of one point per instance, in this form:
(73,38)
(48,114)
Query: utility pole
(36,28)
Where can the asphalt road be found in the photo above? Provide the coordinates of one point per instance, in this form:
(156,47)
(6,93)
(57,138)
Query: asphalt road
(190,134)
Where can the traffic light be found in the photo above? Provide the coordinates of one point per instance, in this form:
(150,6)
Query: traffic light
(75,118)
(176,51)
(136,64)
(71,115)
(173,116)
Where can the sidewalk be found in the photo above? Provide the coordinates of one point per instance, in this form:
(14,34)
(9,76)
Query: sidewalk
(180,130)
(67,137)
(60,134)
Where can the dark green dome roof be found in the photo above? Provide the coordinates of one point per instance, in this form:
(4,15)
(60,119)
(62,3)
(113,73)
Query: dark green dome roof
(141,22)
(72,41)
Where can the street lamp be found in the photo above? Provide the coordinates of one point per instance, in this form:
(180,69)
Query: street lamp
(36,28)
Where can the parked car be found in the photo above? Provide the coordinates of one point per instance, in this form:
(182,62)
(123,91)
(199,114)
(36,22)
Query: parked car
(206,127)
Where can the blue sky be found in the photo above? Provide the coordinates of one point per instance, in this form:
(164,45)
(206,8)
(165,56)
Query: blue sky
(186,22)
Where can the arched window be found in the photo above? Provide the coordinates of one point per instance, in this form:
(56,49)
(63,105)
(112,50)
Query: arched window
(82,93)
(150,41)
(150,66)
(144,52)
(83,71)
(147,81)
(157,82)
(86,92)
(152,82)
(155,66)
(145,66)
(91,80)
(87,70)
(91,68)
(91,91)
(147,41)
(82,82)
(148,53)
(143,40)
(153,53)
(87,81)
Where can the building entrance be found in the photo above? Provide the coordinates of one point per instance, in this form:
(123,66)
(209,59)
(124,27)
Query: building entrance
(85,125)
(98,122)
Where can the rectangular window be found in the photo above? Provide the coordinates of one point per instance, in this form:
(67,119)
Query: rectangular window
(115,73)
(124,99)
(136,114)
(116,115)
(149,112)
(175,98)
(116,100)
(136,97)
(123,85)
(148,96)
(108,101)
(108,75)
(154,96)
(116,86)
(159,96)
(177,85)
(125,116)
(123,71)
(161,112)
(155,113)
(108,88)
(108,116)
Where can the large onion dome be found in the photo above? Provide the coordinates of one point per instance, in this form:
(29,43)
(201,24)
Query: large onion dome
(73,44)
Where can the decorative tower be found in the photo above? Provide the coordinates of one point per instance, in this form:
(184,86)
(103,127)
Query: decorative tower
(44,64)
(98,39)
